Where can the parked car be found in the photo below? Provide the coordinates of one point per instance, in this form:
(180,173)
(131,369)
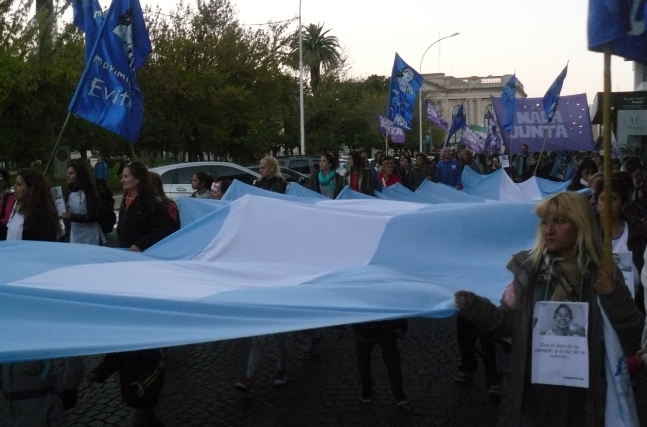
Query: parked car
(289,175)
(176,179)
(306,165)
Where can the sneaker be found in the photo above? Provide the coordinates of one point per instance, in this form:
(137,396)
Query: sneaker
(366,395)
(495,390)
(462,377)
(245,384)
(281,377)
(400,398)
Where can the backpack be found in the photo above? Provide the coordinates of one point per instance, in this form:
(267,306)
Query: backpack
(106,216)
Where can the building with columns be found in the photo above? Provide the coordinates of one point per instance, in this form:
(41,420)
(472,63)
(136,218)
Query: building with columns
(447,93)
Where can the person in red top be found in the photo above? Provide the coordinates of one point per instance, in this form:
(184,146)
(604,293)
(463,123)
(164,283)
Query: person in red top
(387,175)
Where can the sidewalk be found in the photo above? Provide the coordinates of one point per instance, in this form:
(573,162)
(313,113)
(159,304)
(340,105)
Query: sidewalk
(322,391)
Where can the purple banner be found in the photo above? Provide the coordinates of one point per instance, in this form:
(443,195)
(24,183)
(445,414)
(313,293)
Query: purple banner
(434,116)
(473,140)
(570,129)
(386,127)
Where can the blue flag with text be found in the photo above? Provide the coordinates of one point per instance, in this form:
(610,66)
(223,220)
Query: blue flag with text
(107,94)
(405,83)
(621,23)
(458,123)
(507,97)
(551,99)
(88,18)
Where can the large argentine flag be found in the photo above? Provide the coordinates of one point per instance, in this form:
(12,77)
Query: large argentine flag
(257,265)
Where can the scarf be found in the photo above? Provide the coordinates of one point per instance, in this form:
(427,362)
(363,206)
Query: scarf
(565,278)
(328,179)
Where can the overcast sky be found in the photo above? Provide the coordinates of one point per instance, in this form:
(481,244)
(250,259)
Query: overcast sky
(535,38)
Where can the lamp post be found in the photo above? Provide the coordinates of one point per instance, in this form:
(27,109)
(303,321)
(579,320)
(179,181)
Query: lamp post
(420,94)
(301,116)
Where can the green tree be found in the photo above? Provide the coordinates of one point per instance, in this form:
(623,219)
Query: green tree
(321,52)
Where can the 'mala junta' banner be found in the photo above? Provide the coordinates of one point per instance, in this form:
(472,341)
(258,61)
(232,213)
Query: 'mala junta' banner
(570,129)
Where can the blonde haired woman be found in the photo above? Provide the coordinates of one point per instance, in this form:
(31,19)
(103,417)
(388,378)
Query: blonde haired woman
(563,265)
(271,178)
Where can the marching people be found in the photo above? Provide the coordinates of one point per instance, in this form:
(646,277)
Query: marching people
(7,201)
(143,221)
(271,178)
(82,205)
(420,172)
(403,170)
(101,172)
(563,265)
(586,168)
(169,205)
(219,188)
(141,379)
(521,165)
(387,176)
(34,215)
(384,333)
(201,184)
(359,177)
(448,170)
(327,181)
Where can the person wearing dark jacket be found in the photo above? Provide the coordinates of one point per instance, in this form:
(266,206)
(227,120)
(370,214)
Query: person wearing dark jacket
(7,201)
(169,205)
(141,378)
(565,264)
(143,221)
(271,178)
(34,215)
(359,177)
(327,181)
(420,172)
(385,334)
(586,168)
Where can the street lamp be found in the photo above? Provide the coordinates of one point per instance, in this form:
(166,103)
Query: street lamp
(420,94)
(301,117)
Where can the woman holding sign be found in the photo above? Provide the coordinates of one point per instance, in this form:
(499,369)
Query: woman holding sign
(564,265)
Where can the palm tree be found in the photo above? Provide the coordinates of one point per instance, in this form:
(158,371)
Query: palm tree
(320,52)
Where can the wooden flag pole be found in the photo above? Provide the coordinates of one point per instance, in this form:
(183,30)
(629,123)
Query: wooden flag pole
(606,120)
(540,154)
(56,145)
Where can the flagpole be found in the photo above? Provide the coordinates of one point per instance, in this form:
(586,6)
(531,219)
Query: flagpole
(543,145)
(606,120)
(57,141)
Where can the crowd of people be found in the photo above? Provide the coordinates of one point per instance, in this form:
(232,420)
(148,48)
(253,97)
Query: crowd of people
(563,266)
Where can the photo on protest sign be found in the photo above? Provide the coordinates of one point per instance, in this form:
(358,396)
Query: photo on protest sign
(624,262)
(559,345)
(564,319)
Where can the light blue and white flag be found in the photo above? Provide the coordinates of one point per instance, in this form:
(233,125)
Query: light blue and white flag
(405,83)
(551,99)
(507,97)
(107,94)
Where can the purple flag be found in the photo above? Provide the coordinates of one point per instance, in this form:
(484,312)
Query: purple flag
(570,129)
(473,140)
(434,116)
(493,140)
(396,134)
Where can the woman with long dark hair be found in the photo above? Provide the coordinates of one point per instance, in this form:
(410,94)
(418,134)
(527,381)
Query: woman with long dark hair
(327,181)
(34,215)
(6,202)
(82,204)
(359,178)
(201,183)
(143,221)
(169,205)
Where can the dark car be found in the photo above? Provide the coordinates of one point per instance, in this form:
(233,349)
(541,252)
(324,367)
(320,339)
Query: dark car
(306,165)
(289,175)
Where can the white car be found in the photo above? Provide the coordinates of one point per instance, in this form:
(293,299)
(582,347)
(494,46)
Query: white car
(176,178)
